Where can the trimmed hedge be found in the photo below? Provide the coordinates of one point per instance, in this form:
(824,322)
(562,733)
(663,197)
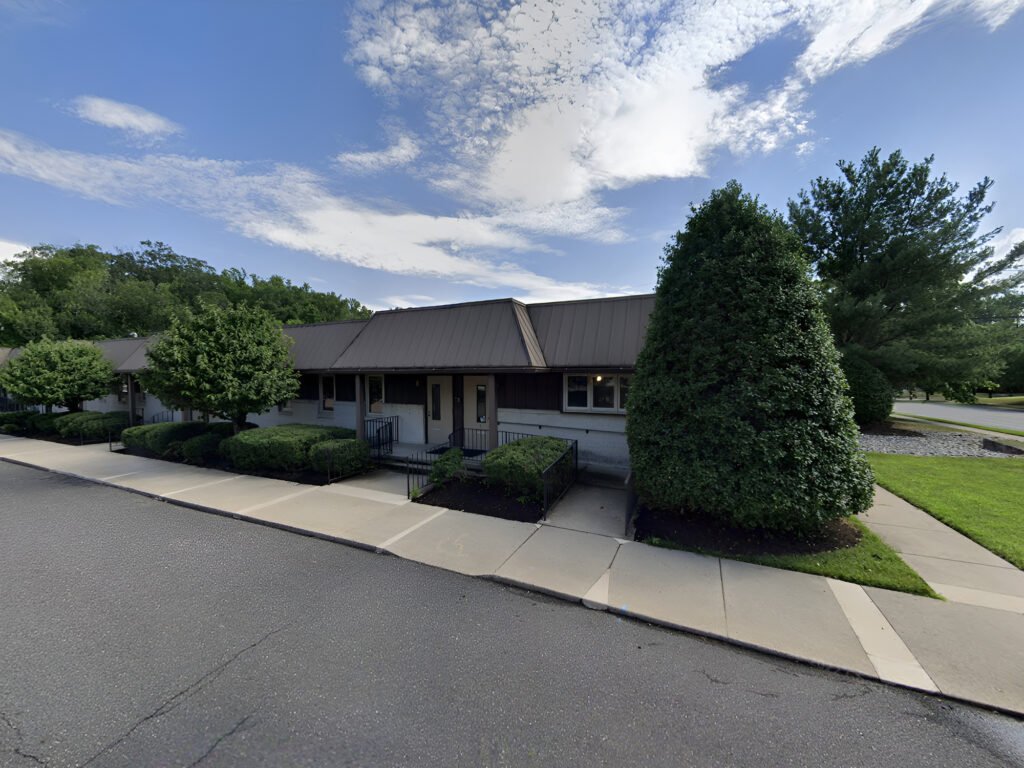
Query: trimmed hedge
(43,423)
(92,425)
(340,458)
(282,449)
(518,466)
(203,449)
(157,439)
(870,391)
(15,422)
(447,467)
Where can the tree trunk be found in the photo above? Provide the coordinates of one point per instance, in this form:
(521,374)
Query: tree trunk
(239,422)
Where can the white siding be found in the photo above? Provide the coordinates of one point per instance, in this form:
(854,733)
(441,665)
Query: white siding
(601,437)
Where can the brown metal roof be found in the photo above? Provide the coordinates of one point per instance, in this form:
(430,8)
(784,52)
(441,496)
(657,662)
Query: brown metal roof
(317,346)
(119,351)
(476,335)
(137,360)
(594,333)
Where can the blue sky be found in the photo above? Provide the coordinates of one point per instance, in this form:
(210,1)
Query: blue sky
(406,153)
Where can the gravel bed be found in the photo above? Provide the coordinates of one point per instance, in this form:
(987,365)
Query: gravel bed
(930,444)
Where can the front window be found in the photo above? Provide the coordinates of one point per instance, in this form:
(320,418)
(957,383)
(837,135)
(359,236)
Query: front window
(603,390)
(435,402)
(576,392)
(481,403)
(327,393)
(375,393)
(596,392)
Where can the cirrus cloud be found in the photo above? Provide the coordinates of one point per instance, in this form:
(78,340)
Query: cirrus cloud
(137,123)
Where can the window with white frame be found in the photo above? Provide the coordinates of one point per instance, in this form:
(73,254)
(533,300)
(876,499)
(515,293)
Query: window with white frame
(596,392)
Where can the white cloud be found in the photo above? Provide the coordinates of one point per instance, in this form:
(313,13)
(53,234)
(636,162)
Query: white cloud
(290,206)
(1005,240)
(402,152)
(9,249)
(138,123)
(543,104)
(410,300)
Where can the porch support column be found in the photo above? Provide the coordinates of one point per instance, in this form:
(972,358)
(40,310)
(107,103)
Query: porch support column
(360,409)
(131,400)
(492,412)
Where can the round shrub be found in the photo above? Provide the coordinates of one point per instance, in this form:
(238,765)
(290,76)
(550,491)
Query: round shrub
(156,439)
(340,458)
(278,449)
(518,466)
(44,423)
(737,410)
(447,467)
(92,425)
(16,422)
(202,449)
(870,391)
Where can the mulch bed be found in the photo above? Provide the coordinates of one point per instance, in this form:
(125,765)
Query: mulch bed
(705,534)
(482,499)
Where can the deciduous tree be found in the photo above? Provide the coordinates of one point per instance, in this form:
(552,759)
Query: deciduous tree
(61,373)
(225,361)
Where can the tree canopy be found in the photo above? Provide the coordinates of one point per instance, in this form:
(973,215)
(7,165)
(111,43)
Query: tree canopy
(225,361)
(83,292)
(908,277)
(737,409)
(57,373)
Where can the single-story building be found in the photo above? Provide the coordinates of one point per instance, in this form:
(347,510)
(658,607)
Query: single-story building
(460,372)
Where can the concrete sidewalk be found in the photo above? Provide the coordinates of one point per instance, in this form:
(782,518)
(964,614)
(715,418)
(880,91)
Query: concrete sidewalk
(971,652)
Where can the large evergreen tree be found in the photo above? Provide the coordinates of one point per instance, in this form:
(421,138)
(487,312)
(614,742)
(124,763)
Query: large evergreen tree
(225,361)
(907,275)
(738,407)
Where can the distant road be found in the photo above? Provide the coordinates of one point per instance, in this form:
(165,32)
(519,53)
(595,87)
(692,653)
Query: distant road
(982,415)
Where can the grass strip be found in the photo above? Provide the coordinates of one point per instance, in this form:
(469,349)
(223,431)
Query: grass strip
(870,562)
(981,498)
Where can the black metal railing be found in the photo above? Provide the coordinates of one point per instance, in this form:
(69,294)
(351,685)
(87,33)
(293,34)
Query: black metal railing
(381,434)
(470,440)
(418,468)
(163,417)
(560,476)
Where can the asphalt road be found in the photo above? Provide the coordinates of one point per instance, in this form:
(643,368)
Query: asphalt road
(137,633)
(982,415)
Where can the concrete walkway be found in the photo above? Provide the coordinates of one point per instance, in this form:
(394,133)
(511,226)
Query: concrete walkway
(953,565)
(971,652)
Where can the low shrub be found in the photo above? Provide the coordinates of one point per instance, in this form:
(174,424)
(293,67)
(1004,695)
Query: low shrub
(15,422)
(43,423)
(518,466)
(340,458)
(448,467)
(202,450)
(156,439)
(280,449)
(870,391)
(92,425)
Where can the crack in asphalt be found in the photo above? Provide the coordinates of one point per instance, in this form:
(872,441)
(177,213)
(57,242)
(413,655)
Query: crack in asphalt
(178,698)
(19,738)
(236,728)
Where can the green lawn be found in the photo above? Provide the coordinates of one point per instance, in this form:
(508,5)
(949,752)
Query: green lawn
(871,562)
(981,498)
